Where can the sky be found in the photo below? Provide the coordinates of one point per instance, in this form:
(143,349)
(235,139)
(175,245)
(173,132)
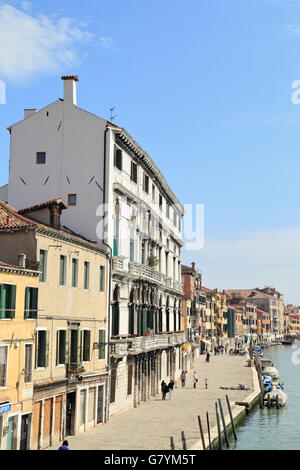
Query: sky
(205,87)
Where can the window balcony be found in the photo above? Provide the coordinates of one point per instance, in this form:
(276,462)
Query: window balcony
(149,343)
(118,348)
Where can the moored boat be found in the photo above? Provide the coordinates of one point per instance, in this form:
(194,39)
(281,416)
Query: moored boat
(276,394)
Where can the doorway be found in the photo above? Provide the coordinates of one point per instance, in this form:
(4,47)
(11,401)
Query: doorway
(70,413)
(25,425)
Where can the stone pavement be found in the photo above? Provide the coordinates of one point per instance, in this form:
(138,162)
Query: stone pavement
(150,426)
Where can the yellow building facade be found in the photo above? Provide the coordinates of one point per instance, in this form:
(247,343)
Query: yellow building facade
(18,308)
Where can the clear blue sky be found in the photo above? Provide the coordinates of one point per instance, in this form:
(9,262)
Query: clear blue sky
(205,87)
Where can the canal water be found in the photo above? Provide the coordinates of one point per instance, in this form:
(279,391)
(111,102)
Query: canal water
(271,429)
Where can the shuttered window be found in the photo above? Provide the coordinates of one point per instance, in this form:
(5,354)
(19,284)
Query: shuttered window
(28,363)
(61,347)
(118,159)
(42,348)
(31,302)
(102,278)
(62,271)
(86,275)
(7,301)
(101,350)
(43,261)
(3,365)
(74,272)
(85,345)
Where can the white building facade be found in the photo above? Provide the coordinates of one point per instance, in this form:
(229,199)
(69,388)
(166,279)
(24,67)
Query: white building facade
(116,195)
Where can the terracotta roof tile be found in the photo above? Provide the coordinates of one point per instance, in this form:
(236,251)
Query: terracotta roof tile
(52,202)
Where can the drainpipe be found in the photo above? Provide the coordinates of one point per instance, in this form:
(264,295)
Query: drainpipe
(107,385)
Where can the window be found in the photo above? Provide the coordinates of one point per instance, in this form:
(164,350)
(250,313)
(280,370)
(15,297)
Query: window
(28,363)
(31,302)
(7,301)
(74,272)
(85,345)
(61,347)
(43,266)
(101,350)
(42,348)
(133,172)
(62,270)
(3,365)
(146,183)
(74,353)
(153,193)
(167,210)
(86,275)
(41,158)
(118,159)
(160,201)
(102,278)
(174,218)
(72,199)
(91,404)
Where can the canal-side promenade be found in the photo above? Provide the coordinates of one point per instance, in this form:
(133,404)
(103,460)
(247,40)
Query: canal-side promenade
(150,426)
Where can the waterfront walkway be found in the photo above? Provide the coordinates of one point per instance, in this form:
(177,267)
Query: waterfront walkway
(150,426)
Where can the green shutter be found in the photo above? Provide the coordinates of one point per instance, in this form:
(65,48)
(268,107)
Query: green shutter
(3,299)
(27,303)
(42,265)
(36,348)
(47,349)
(34,302)
(13,301)
(57,347)
(80,355)
(87,345)
(101,350)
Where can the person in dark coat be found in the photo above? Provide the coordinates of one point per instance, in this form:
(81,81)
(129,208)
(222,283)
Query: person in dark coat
(164,389)
(207,356)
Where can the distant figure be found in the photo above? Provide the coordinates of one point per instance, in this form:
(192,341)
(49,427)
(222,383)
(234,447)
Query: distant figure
(207,357)
(164,389)
(183,378)
(64,446)
(206,384)
(195,379)
(170,387)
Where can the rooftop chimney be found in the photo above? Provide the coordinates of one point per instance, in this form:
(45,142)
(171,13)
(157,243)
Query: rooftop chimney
(22,260)
(70,95)
(29,112)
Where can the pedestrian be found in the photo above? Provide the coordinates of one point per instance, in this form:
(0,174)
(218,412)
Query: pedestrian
(206,384)
(164,389)
(195,379)
(64,446)
(170,387)
(207,356)
(183,378)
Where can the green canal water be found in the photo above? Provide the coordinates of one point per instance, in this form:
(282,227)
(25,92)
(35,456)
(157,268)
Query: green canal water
(271,429)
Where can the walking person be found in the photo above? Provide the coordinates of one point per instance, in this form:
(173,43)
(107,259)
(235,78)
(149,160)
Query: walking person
(207,356)
(64,446)
(195,379)
(183,378)
(170,387)
(164,389)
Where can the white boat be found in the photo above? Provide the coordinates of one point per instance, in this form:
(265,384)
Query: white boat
(282,396)
(272,371)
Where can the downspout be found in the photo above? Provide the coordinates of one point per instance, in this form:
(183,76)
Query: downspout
(107,384)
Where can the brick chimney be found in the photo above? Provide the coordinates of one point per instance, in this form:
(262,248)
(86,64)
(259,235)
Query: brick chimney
(193,266)
(70,94)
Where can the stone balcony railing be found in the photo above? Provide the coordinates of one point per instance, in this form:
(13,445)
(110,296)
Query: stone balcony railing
(118,263)
(151,342)
(118,348)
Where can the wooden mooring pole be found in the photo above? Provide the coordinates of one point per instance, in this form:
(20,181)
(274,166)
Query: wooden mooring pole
(224,424)
(201,432)
(208,430)
(231,417)
(219,428)
(183,440)
(172,443)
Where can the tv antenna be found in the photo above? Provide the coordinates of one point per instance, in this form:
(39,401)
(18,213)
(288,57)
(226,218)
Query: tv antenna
(111,113)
